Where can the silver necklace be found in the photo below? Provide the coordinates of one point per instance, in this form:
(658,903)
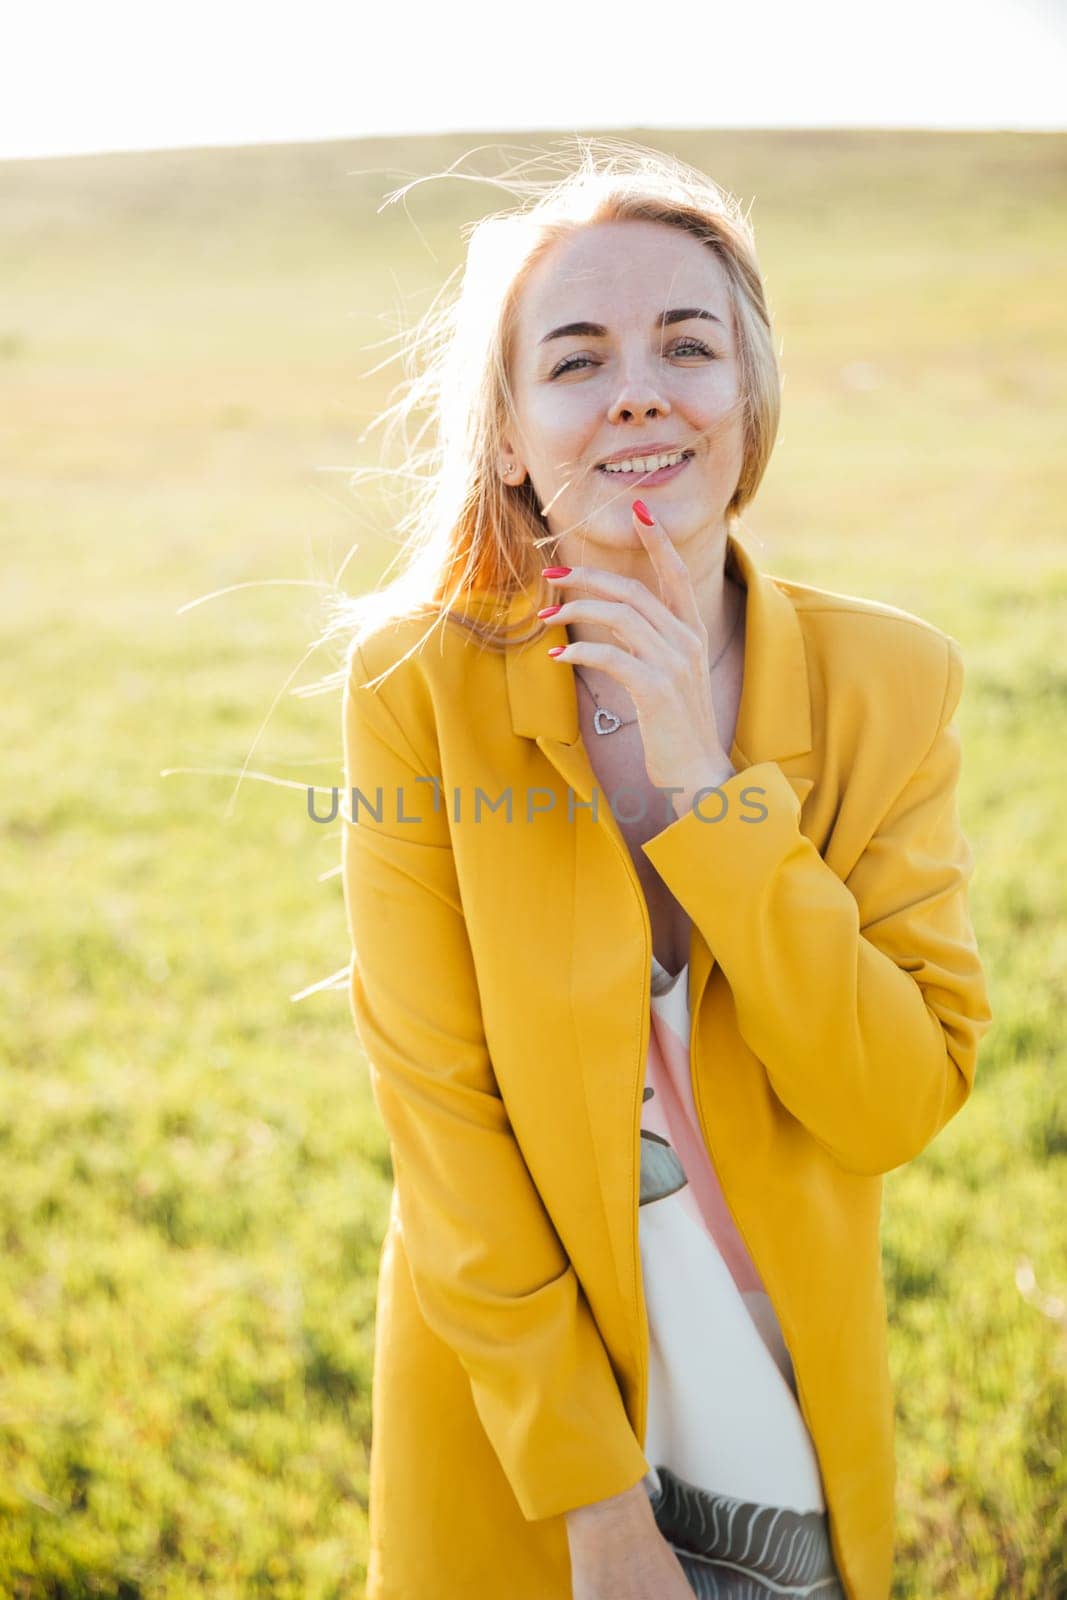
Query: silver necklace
(605,721)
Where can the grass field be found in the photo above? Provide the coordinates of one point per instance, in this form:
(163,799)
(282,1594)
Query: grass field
(194,1177)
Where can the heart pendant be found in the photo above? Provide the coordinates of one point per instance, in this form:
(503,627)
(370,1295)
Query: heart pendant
(606,721)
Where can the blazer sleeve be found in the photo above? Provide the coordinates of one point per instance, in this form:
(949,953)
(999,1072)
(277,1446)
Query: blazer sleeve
(864,999)
(490,1274)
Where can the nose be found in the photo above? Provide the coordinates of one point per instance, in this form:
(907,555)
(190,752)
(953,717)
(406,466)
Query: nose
(638,396)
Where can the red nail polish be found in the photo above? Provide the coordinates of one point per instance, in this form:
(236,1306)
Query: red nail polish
(643,514)
(550,611)
(555,572)
(558,650)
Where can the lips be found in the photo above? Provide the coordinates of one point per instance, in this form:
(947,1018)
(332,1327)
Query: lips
(643,452)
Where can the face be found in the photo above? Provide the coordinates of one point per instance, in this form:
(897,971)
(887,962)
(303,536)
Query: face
(597,374)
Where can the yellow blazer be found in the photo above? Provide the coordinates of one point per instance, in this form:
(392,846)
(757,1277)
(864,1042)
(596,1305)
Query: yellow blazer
(500,989)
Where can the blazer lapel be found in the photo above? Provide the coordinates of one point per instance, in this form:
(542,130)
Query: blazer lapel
(607,947)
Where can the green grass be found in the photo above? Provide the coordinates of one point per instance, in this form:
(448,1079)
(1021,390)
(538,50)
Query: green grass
(194,1177)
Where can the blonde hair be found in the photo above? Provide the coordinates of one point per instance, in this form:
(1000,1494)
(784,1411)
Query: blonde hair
(467,536)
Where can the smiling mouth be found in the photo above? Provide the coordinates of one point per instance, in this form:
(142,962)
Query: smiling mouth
(641,466)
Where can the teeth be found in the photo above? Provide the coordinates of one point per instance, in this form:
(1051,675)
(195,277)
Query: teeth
(644,463)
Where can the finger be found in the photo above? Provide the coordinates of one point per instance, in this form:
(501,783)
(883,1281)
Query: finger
(628,625)
(643,682)
(676,586)
(631,591)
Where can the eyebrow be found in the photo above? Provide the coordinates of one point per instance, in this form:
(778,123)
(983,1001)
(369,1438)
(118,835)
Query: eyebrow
(596,330)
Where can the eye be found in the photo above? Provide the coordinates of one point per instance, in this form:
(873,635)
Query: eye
(570,365)
(697,345)
(575,363)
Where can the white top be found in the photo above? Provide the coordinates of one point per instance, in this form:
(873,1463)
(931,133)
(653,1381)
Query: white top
(734,1480)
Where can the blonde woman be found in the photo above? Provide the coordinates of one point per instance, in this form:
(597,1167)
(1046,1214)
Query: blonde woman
(661,948)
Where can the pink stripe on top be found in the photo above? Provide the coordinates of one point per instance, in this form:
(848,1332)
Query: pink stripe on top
(673,1114)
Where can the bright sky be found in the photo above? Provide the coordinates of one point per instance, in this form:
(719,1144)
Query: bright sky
(120,75)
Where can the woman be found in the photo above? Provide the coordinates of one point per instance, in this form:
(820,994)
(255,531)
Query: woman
(661,947)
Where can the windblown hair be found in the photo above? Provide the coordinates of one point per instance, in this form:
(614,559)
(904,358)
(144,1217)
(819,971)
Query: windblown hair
(470,540)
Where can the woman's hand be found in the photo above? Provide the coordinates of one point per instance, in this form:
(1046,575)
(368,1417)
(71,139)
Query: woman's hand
(661,661)
(618,1553)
